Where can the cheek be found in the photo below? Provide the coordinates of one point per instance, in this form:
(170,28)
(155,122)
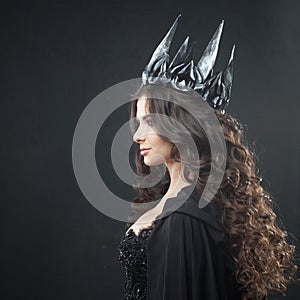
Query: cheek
(160,145)
(155,140)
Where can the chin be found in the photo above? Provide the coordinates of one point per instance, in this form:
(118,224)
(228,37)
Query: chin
(153,161)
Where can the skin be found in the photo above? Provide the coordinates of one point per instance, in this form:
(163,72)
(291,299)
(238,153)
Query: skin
(158,153)
(146,137)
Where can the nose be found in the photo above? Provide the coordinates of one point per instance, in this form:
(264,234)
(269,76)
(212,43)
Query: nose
(139,136)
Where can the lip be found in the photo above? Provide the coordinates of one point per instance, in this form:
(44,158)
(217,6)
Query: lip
(144,151)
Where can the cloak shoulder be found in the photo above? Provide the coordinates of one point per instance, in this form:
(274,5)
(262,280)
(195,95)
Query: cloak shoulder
(185,256)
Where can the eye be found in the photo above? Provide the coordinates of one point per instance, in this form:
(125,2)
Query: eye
(149,122)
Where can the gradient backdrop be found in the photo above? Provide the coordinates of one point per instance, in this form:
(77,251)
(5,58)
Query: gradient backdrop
(56,56)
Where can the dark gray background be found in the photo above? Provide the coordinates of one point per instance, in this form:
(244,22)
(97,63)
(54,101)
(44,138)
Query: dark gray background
(56,56)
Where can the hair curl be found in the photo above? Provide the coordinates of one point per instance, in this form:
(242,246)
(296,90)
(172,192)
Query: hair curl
(262,256)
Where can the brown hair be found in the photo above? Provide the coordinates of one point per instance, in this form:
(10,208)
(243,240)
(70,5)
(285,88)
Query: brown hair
(258,245)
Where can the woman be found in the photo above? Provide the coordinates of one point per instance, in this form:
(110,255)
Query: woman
(230,248)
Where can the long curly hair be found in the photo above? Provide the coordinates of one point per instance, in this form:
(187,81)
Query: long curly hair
(258,244)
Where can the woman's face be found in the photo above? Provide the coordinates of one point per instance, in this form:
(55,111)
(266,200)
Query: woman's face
(157,151)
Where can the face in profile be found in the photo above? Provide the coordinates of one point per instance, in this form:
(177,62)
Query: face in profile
(152,147)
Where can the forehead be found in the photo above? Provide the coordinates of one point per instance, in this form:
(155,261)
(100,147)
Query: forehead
(141,108)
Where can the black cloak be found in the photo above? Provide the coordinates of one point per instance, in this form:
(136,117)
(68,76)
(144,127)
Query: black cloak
(185,254)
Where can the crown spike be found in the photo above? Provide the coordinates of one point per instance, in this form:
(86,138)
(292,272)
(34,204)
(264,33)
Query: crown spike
(232,54)
(207,60)
(181,53)
(228,72)
(190,54)
(162,49)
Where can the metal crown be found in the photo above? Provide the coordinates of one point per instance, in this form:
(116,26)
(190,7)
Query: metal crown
(184,74)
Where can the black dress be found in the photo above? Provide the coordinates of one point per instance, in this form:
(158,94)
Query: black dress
(180,257)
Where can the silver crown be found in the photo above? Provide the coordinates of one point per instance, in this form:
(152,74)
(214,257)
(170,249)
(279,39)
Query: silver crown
(184,74)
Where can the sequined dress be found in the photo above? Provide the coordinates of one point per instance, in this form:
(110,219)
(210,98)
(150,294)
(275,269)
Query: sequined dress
(180,257)
(133,258)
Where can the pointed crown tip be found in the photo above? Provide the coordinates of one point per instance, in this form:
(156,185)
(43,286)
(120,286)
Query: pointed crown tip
(232,51)
(220,27)
(178,17)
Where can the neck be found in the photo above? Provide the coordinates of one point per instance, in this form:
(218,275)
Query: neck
(177,180)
